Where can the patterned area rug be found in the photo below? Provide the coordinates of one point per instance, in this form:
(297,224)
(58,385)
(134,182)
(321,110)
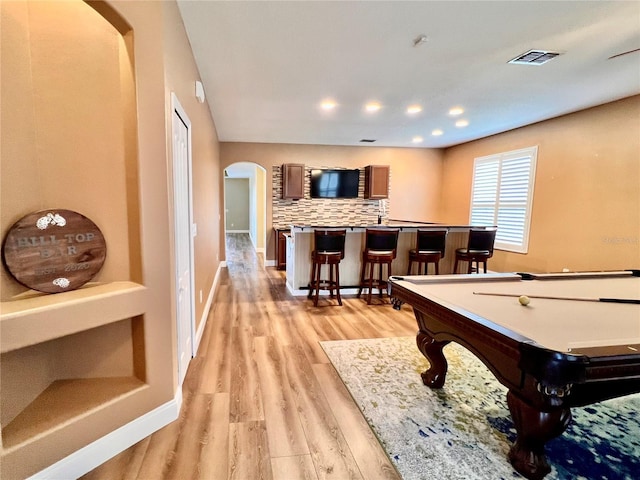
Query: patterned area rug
(464,430)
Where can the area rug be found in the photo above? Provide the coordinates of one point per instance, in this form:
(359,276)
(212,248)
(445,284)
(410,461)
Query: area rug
(464,430)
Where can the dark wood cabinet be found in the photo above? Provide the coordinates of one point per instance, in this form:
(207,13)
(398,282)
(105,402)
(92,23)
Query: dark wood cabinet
(376,181)
(292,181)
(281,248)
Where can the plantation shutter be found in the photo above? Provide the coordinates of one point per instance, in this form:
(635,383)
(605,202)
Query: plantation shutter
(502,194)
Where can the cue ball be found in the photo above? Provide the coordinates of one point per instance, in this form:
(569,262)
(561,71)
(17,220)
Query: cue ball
(524,300)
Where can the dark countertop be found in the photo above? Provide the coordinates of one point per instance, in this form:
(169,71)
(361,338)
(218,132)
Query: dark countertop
(391,223)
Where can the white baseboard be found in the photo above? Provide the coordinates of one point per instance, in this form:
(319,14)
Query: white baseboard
(269,263)
(207,307)
(236,231)
(95,454)
(87,458)
(255,247)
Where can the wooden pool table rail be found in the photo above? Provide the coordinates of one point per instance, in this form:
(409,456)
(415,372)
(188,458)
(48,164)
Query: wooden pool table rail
(543,384)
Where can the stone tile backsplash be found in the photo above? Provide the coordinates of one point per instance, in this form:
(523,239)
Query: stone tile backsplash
(321,211)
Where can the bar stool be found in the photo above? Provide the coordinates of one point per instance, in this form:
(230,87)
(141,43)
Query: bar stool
(328,250)
(380,249)
(430,248)
(479,249)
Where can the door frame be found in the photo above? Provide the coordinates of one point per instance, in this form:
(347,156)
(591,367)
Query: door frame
(176,109)
(261,220)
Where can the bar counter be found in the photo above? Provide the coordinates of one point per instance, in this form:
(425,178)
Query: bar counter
(300,244)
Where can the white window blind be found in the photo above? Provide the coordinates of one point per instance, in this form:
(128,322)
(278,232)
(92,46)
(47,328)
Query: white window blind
(502,194)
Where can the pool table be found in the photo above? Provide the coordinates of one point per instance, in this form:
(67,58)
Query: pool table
(578,348)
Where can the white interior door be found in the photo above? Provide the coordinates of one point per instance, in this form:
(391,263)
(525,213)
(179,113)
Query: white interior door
(183,236)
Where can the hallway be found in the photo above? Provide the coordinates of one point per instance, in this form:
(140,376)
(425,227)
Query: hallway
(260,400)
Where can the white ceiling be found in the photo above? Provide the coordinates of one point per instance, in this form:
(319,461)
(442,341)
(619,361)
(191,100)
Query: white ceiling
(267,65)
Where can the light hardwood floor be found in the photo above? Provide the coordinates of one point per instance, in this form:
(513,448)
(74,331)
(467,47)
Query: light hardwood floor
(261,400)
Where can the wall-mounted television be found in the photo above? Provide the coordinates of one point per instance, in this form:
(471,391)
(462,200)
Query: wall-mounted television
(334,183)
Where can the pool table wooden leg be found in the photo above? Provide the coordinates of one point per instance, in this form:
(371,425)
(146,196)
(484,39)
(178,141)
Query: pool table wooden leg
(534,429)
(435,375)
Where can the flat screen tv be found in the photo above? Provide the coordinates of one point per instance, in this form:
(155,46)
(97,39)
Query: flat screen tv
(334,183)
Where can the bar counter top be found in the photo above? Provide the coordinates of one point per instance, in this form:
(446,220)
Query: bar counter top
(300,242)
(391,224)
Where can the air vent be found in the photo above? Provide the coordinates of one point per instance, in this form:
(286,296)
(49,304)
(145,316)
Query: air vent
(367,140)
(534,57)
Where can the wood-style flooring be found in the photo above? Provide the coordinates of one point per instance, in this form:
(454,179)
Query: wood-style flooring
(260,399)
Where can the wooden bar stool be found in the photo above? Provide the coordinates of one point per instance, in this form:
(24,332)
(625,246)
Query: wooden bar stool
(380,249)
(328,250)
(479,249)
(430,248)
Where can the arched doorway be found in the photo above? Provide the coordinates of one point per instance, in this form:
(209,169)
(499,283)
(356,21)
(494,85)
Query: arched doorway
(252,177)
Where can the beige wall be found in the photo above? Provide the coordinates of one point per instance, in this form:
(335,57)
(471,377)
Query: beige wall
(415,173)
(180,76)
(260,202)
(96,142)
(62,146)
(236,194)
(86,117)
(586,204)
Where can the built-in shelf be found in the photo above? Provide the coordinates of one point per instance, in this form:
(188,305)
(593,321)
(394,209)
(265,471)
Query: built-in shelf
(63,401)
(32,320)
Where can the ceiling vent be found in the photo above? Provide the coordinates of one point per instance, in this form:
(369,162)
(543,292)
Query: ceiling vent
(534,57)
(367,140)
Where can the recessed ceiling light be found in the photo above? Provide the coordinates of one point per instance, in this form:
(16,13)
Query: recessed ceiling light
(372,107)
(414,109)
(456,111)
(417,139)
(328,104)
(462,123)
(437,132)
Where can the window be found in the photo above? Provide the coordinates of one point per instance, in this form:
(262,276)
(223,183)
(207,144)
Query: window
(502,194)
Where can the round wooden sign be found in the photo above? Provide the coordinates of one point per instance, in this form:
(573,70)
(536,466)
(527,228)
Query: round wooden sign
(54,251)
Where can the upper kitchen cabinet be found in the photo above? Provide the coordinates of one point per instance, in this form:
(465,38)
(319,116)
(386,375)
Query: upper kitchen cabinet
(376,181)
(292,181)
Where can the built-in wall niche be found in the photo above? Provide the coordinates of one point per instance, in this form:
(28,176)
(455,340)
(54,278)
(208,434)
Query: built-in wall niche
(72,366)
(324,211)
(85,159)
(50,383)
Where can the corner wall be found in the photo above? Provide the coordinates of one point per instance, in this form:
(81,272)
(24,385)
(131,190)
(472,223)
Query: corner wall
(109,155)
(586,203)
(181,74)
(415,174)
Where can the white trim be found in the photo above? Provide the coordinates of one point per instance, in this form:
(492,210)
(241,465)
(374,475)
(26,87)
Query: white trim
(253,197)
(253,243)
(269,263)
(207,307)
(96,453)
(499,184)
(176,108)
